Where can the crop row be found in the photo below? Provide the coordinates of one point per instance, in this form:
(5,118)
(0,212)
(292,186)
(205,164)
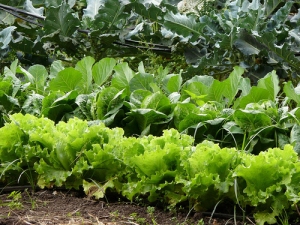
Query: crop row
(167,169)
(230,112)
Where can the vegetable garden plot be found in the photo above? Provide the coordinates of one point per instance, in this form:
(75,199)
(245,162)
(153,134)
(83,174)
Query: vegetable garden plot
(230,112)
(73,154)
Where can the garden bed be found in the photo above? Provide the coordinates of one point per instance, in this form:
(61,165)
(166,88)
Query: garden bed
(72,207)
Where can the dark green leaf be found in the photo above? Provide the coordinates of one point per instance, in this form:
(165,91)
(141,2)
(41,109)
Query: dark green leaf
(61,20)
(247,44)
(111,16)
(270,6)
(185,25)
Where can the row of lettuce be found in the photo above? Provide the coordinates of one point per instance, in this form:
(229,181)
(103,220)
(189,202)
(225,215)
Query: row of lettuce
(168,169)
(231,112)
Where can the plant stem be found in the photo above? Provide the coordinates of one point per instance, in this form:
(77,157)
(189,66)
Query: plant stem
(244,141)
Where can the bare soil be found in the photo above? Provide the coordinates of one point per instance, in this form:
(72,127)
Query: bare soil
(70,207)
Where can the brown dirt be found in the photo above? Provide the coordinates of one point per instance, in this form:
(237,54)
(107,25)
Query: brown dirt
(60,207)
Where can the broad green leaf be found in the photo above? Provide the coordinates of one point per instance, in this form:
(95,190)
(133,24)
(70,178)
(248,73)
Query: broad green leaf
(151,12)
(57,104)
(103,101)
(53,3)
(211,28)
(193,120)
(254,96)
(283,52)
(92,8)
(12,70)
(185,25)
(245,86)
(7,18)
(271,83)
(141,81)
(172,83)
(199,85)
(231,84)
(250,20)
(85,67)
(247,44)
(295,137)
(55,68)
(61,20)
(5,87)
(233,128)
(182,110)
(123,75)
(116,103)
(145,117)
(291,92)
(137,97)
(195,90)
(270,6)
(40,76)
(155,101)
(30,8)
(205,80)
(29,77)
(6,36)
(215,92)
(251,120)
(111,16)
(254,5)
(198,99)
(84,102)
(103,69)
(295,18)
(281,15)
(66,80)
